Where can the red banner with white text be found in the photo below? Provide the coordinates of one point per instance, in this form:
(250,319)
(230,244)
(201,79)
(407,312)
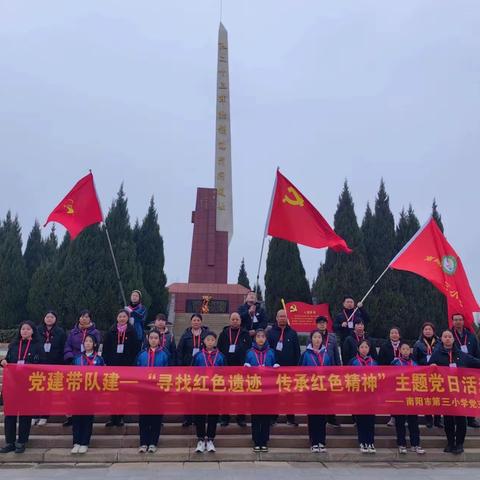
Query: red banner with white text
(66,390)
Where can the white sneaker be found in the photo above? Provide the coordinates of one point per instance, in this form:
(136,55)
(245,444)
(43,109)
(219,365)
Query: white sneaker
(210,446)
(142,449)
(200,446)
(391,422)
(363,448)
(402,450)
(41,422)
(75,448)
(315,449)
(419,450)
(34,421)
(371,448)
(83,449)
(152,449)
(322,448)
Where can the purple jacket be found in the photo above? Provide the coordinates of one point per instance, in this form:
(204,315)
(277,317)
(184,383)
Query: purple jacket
(75,340)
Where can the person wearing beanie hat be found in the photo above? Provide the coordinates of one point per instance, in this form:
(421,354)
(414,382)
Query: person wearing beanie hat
(24,349)
(53,338)
(138,313)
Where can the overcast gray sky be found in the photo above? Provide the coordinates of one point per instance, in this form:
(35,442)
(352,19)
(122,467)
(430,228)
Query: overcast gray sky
(327,90)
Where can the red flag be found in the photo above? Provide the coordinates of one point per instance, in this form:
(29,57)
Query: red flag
(294,218)
(429,255)
(302,316)
(79,209)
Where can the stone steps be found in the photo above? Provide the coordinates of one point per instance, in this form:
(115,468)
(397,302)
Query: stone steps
(231,441)
(129,455)
(232,430)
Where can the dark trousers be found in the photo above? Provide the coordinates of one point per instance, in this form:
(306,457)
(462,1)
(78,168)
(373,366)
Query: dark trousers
(365,428)
(317,425)
(290,418)
(412,421)
(226,418)
(24,424)
(150,426)
(260,430)
(432,418)
(455,429)
(211,430)
(82,426)
(116,419)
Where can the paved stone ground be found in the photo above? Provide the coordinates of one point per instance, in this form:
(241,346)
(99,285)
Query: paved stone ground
(240,471)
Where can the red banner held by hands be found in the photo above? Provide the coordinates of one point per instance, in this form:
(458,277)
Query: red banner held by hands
(66,390)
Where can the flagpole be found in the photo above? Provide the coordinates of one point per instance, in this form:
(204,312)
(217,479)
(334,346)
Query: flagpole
(117,273)
(414,236)
(265,234)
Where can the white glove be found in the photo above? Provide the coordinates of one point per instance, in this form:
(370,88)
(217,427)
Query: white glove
(246,365)
(276,365)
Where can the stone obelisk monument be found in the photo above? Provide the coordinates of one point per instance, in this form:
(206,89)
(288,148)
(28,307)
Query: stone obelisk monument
(207,290)
(213,218)
(223,155)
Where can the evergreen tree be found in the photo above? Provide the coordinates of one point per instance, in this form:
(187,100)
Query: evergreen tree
(343,274)
(386,304)
(13,274)
(242,276)
(257,288)
(34,251)
(437,215)
(125,250)
(51,245)
(86,279)
(45,291)
(284,277)
(380,244)
(151,257)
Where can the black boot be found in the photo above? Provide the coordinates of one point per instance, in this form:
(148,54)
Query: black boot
(9,447)
(19,447)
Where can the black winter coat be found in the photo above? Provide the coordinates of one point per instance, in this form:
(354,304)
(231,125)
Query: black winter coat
(249,323)
(57,340)
(185,346)
(441,357)
(290,353)
(243,344)
(35,352)
(131,347)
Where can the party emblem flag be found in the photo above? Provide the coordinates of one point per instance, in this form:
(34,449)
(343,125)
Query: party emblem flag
(429,255)
(79,209)
(294,218)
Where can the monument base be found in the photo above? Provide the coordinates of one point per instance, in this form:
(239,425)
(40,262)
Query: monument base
(215,301)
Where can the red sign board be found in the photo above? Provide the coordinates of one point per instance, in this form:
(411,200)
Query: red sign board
(302,316)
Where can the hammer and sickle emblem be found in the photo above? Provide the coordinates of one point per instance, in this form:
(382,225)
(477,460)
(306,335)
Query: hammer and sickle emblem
(69,207)
(293,308)
(297,201)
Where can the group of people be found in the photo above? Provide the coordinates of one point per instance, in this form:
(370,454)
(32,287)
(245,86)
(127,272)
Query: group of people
(248,341)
